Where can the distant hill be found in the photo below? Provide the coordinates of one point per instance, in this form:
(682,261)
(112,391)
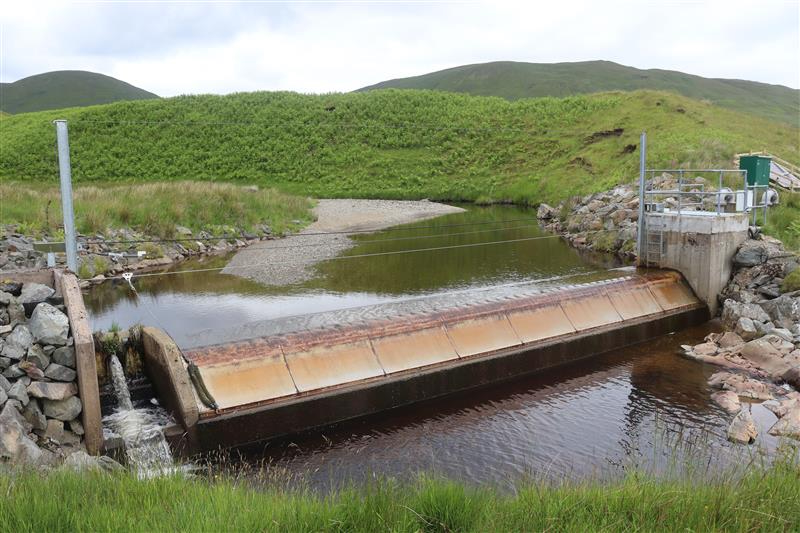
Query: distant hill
(65,88)
(514,80)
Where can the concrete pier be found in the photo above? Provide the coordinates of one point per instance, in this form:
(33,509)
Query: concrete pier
(701,245)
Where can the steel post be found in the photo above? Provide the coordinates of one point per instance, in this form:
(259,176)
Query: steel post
(640,223)
(65,172)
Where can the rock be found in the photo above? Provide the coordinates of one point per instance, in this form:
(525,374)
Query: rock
(14,288)
(4,384)
(76,426)
(54,430)
(777,342)
(6,298)
(783,333)
(792,377)
(728,400)
(31,370)
(780,409)
(16,447)
(62,409)
(784,311)
(18,392)
(743,428)
(34,293)
(789,424)
(546,212)
(49,325)
(764,356)
(732,311)
(743,386)
(37,356)
(3,397)
(33,414)
(729,339)
(746,329)
(65,356)
(17,344)
(752,253)
(58,372)
(16,314)
(52,391)
(80,461)
(5,362)
(706,348)
(13,372)
(183,231)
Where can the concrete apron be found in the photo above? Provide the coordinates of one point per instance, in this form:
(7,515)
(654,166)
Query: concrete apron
(271,387)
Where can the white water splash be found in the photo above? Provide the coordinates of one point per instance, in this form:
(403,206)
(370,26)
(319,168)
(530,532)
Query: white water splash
(140,429)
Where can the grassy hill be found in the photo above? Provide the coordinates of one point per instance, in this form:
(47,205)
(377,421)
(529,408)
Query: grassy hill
(65,88)
(390,144)
(514,80)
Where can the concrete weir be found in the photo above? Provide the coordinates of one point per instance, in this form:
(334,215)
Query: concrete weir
(280,384)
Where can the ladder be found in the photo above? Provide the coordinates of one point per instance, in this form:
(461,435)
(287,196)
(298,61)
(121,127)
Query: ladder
(653,241)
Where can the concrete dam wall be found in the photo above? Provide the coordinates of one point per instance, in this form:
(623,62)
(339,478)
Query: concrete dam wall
(271,384)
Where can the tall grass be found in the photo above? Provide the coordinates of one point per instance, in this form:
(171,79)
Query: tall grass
(154,208)
(783,221)
(762,500)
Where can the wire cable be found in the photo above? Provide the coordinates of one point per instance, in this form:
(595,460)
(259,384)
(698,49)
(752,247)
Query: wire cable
(342,257)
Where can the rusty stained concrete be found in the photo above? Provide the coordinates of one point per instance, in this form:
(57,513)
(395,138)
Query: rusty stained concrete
(258,372)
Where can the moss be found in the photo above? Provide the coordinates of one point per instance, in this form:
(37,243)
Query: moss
(792,282)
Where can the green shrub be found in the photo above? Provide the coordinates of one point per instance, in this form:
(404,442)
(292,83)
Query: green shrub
(791,282)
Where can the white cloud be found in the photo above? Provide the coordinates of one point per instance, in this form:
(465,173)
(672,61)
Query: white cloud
(181,47)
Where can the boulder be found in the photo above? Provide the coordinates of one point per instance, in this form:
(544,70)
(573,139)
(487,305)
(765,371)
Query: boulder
(729,339)
(789,424)
(14,288)
(58,372)
(545,212)
(64,410)
(784,311)
(743,386)
(33,293)
(16,447)
(3,397)
(764,356)
(4,383)
(80,461)
(706,348)
(33,414)
(728,400)
(732,311)
(13,372)
(52,391)
(17,344)
(37,356)
(49,325)
(65,356)
(18,392)
(54,430)
(792,377)
(77,427)
(743,428)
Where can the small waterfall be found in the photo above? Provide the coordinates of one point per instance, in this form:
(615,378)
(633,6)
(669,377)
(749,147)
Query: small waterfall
(140,429)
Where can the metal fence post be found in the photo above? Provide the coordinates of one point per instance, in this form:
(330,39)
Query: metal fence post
(65,172)
(640,223)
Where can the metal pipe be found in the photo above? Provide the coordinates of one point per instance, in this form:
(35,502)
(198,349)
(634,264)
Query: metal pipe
(640,228)
(65,172)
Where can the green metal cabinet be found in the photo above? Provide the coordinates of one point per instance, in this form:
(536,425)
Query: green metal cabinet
(757,167)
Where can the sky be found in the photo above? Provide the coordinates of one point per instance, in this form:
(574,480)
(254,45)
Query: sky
(183,47)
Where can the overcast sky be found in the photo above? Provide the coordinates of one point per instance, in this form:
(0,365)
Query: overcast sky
(181,47)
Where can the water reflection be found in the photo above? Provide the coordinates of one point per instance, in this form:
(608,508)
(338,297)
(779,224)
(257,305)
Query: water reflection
(186,303)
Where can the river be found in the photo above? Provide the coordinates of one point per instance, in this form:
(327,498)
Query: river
(640,407)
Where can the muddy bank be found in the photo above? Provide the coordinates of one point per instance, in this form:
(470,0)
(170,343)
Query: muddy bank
(291,260)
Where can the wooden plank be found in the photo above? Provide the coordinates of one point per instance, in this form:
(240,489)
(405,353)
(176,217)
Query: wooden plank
(85,363)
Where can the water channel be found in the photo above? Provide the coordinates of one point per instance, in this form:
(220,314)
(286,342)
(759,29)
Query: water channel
(643,406)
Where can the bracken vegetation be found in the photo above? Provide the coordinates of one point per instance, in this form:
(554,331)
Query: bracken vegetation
(761,500)
(390,144)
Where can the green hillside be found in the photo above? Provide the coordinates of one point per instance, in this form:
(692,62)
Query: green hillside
(513,80)
(390,144)
(65,88)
